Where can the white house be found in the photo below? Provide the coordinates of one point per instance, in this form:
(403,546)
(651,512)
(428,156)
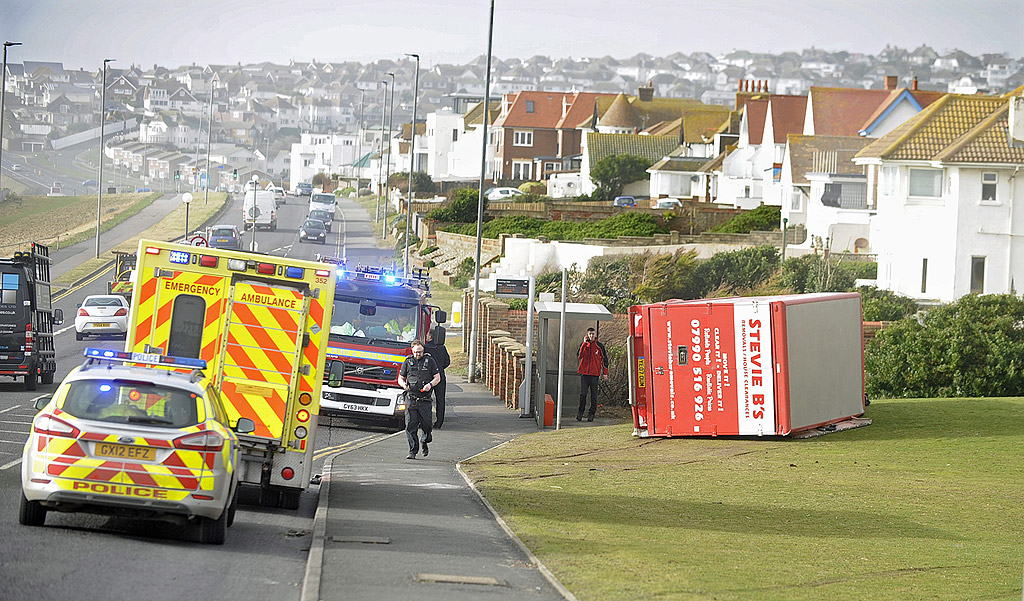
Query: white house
(950,209)
(321,153)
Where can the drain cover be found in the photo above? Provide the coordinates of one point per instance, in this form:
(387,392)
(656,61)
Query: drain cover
(456,579)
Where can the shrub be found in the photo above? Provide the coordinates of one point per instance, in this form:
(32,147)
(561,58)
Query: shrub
(884,305)
(814,273)
(764,218)
(623,224)
(462,206)
(973,347)
(612,173)
(428,250)
(345,191)
(429,264)
(535,188)
(465,270)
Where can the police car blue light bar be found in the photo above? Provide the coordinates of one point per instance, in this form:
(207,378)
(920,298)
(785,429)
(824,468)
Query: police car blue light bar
(144,358)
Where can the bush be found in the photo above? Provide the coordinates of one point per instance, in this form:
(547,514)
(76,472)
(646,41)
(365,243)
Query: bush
(813,273)
(429,264)
(884,305)
(612,173)
(465,270)
(623,224)
(535,188)
(462,206)
(428,250)
(973,347)
(764,218)
(345,191)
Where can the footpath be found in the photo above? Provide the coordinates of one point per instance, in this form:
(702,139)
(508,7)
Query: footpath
(388,527)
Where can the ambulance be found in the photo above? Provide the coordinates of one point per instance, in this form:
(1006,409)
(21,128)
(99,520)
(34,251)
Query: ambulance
(261,324)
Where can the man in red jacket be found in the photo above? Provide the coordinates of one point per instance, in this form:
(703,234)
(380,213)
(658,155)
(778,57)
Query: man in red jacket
(593,365)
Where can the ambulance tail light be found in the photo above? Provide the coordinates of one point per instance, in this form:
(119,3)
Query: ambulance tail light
(207,261)
(202,441)
(152,250)
(305,398)
(266,268)
(52,426)
(302,415)
(287,473)
(323,273)
(237,264)
(120,312)
(301,432)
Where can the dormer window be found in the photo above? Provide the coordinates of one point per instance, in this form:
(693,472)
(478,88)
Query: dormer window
(529,106)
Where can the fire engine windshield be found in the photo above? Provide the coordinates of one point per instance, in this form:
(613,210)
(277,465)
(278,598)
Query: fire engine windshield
(386,322)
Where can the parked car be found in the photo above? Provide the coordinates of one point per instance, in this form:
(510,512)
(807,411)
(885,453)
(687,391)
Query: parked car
(503,193)
(278,194)
(313,230)
(102,315)
(326,216)
(90,183)
(224,236)
(121,439)
(624,201)
(667,203)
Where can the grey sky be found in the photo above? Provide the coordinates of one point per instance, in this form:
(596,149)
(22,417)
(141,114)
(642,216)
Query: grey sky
(80,33)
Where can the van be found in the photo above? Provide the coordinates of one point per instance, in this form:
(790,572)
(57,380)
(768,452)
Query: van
(259,210)
(322,201)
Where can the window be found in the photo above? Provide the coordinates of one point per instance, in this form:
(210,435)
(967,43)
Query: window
(455,135)
(187,318)
(522,169)
(522,138)
(796,200)
(529,106)
(890,180)
(746,191)
(926,182)
(924,275)
(977,275)
(988,186)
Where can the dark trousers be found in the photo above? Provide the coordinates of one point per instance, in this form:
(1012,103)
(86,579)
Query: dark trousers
(439,391)
(588,383)
(417,417)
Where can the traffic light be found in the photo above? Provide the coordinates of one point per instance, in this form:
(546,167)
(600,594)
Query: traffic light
(234,174)
(177,174)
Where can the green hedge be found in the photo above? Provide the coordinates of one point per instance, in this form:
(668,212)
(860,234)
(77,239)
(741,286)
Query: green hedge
(764,218)
(624,224)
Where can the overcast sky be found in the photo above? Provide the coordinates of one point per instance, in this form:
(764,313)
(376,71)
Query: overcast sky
(80,33)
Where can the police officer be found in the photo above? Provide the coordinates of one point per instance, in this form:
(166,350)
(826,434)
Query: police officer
(418,376)
(439,353)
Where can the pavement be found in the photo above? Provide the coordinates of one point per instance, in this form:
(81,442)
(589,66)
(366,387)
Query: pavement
(387,527)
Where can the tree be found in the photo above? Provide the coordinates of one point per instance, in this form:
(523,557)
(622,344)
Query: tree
(461,207)
(612,173)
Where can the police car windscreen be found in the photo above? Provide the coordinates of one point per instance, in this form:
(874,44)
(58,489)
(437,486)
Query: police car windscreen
(130,401)
(394,324)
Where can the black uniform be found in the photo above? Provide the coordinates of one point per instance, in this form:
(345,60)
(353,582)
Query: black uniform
(440,355)
(417,374)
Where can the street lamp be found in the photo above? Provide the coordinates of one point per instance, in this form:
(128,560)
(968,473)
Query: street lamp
(380,166)
(3,92)
(254,210)
(209,141)
(387,170)
(412,160)
(187,199)
(359,142)
(99,180)
(480,207)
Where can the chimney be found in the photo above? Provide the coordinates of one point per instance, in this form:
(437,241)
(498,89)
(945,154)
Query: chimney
(766,86)
(739,86)
(890,82)
(646,93)
(913,85)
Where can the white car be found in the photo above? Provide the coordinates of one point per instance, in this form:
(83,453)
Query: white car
(503,193)
(102,314)
(667,203)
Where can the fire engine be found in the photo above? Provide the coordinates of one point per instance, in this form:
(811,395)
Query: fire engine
(376,314)
(259,322)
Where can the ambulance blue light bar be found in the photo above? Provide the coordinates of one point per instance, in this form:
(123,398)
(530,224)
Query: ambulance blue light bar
(180,257)
(144,358)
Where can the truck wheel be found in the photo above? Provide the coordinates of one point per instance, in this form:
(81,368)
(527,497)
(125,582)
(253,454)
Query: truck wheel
(46,378)
(214,531)
(30,382)
(31,513)
(290,499)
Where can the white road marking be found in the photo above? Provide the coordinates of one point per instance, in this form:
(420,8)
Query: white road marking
(17,442)
(64,329)
(11,464)
(14,407)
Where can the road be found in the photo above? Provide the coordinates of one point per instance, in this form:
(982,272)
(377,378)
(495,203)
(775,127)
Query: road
(83,556)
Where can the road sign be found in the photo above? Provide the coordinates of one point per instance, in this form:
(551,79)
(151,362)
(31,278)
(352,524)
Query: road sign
(512,288)
(198,240)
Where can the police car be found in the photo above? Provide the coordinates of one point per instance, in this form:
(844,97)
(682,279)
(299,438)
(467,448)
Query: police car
(124,435)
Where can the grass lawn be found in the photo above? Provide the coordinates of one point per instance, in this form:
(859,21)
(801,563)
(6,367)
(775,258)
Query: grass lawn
(923,504)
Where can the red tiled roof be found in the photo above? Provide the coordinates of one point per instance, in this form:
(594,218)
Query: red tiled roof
(581,109)
(547,109)
(847,111)
(787,116)
(756,109)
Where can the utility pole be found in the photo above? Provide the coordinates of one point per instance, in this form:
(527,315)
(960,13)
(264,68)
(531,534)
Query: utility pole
(412,162)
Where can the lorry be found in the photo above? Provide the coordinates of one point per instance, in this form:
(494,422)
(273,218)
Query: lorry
(376,314)
(259,209)
(761,366)
(124,274)
(27,317)
(260,323)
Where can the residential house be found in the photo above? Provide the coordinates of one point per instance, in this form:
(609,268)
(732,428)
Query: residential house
(321,153)
(948,201)
(859,112)
(598,146)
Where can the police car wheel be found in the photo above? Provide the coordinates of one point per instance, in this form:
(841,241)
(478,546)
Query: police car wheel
(233,507)
(214,531)
(31,513)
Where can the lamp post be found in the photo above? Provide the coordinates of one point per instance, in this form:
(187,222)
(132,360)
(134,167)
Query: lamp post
(3,92)
(359,142)
(209,141)
(387,169)
(380,166)
(412,161)
(187,199)
(99,180)
(480,208)
(254,209)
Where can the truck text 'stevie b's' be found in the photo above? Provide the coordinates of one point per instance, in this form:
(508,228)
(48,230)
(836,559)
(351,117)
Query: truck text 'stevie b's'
(260,323)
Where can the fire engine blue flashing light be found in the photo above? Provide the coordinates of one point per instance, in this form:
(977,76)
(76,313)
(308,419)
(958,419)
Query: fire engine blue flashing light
(180,257)
(294,272)
(105,388)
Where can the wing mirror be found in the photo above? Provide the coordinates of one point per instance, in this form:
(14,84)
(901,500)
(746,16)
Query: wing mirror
(58,317)
(44,400)
(440,316)
(245,425)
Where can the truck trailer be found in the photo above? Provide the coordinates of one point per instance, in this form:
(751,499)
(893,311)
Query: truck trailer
(745,366)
